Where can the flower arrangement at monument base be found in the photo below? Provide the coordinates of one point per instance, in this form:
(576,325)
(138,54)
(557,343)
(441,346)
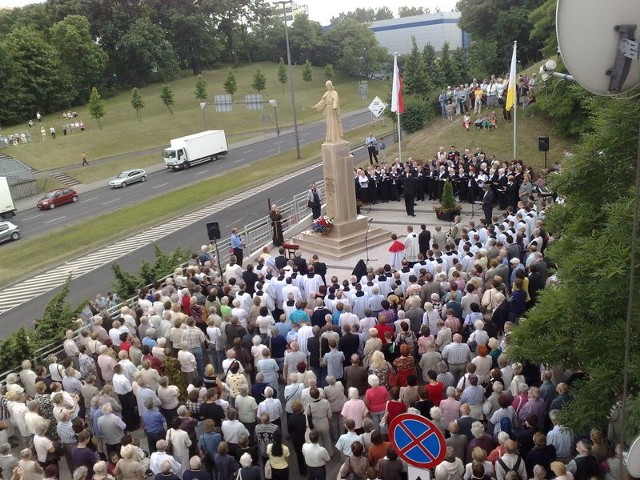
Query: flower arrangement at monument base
(322,225)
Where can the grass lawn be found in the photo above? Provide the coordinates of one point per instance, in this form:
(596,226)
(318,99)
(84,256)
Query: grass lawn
(107,170)
(122,133)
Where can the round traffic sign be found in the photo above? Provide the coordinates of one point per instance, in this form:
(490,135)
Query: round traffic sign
(417,440)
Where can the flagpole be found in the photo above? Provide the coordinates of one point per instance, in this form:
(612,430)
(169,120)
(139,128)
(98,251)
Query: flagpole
(399,140)
(515,107)
(395,74)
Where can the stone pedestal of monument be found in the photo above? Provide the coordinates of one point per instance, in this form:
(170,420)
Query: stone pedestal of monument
(350,233)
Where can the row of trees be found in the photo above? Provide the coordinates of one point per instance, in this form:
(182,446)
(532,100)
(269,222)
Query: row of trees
(54,53)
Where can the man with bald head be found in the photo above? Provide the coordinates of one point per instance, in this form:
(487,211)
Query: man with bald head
(511,460)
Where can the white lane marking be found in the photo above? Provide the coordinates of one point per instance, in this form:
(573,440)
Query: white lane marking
(89,199)
(250,150)
(56,219)
(202,172)
(161,185)
(31,218)
(239,160)
(237,221)
(111,201)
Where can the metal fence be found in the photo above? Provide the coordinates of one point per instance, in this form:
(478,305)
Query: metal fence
(256,235)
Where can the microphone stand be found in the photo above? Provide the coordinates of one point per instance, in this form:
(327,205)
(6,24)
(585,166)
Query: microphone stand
(366,243)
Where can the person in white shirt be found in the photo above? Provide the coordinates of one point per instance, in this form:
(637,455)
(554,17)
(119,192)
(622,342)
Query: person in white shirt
(232,429)
(270,405)
(188,365)
(315,456)
(160,456)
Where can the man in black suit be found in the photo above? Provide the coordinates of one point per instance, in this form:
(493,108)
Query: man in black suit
(512,194)
(424,239)
(409,191)
(300,262)
(319,267)
(487,202)
(281,260)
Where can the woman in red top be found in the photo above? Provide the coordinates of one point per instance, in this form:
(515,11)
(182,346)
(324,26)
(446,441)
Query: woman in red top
(382,327)
(434,388)
(394,407)
(405,365)
(375,399)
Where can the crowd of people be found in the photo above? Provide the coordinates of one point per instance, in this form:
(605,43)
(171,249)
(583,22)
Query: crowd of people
(469,172)
(488,94)
(272,366)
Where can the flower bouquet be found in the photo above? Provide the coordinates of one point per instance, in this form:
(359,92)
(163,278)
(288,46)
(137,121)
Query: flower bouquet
(322,225)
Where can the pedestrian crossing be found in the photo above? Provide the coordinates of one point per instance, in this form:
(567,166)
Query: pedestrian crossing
(23,291)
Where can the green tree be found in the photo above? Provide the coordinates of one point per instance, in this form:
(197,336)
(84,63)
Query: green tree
(459,63)
(166,95)
(416,113)
(411,11)
(493,19)
(13,91)
(282,73)
(191,28)
(201,89)
(125,284)
(580,322)
(354,49)
(259,81)
(145,54)
(433,72)
(483,58)
(137,102)
(37,67)
(328,71)
(96,106)
(58,317)
(307,73)
(567,105)
(18,345)
(83,60)
(163,265)
(384,13)
(359,15)
(230,83)
(447,67)
(543,32)
(305,38)
(416,81)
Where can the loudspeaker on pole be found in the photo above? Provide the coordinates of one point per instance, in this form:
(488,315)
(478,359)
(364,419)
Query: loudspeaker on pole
(543,144)
(213,230)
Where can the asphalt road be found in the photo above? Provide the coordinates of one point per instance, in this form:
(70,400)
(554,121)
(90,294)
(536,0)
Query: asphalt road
(34,222)
(244,211)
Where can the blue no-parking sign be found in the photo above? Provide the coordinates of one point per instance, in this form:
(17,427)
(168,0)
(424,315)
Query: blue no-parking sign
(417,440)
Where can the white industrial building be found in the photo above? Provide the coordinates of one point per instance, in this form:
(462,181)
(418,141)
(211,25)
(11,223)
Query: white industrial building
(434,28)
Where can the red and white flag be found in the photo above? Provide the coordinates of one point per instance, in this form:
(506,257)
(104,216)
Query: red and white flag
(397,104)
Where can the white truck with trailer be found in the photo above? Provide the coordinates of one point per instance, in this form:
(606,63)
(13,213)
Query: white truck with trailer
(7,207)
(197,148)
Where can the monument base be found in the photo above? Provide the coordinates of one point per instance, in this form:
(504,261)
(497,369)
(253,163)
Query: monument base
(344,240)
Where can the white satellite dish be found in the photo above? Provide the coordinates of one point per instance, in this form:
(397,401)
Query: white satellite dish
(633,459)
(597,40)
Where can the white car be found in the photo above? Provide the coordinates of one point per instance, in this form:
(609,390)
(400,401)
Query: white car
(128,177)
(9,231)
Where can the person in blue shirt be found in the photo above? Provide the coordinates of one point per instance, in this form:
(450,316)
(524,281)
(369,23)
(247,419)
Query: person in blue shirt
(154,424)
(237,245)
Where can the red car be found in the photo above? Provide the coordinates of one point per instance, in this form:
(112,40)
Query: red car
(55,198)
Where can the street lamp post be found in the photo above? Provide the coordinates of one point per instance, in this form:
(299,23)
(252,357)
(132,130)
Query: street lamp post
(203,105)
(274,103)
(293,96)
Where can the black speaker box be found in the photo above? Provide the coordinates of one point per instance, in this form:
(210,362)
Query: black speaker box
(213,230)
(543,144)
